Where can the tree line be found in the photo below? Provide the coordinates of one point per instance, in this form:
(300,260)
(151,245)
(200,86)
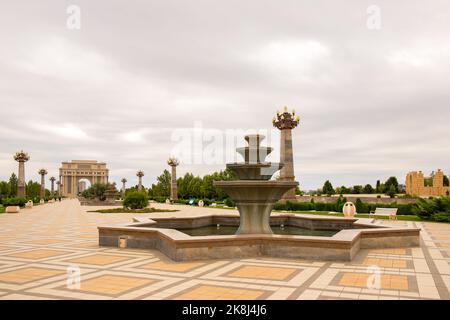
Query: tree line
(390,187)
(8,189)
(190,186)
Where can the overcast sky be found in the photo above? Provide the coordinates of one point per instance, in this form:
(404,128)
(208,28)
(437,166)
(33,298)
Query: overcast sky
(373,102)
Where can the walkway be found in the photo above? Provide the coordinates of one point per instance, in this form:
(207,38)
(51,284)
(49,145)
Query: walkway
(42,250)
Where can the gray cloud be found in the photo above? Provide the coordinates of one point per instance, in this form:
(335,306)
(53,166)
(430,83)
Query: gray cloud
(372,103)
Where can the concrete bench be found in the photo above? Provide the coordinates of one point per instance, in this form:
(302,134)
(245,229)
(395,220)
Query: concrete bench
(389,212)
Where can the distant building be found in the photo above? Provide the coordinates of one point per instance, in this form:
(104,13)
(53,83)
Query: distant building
(72,172)
(415,185)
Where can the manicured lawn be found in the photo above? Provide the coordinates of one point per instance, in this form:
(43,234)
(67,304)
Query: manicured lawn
(326,213)
(2,209)
(122,210)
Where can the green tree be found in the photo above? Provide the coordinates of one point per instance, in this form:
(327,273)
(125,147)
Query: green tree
(392,181)
(33,189)
(13,183)
(368,189)
(5,189)
(97,190)
(328,188)
(162,186)
(391,191)
(378,187)
(189,186)
(343,190)
(357,189)
(207,188)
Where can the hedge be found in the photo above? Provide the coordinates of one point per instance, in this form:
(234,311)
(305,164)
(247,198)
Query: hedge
(14,202)
(361,207)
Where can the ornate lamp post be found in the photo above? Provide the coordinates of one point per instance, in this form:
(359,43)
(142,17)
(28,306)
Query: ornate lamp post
(140,174)
(21,157)
(52,180)
(173,163)
(42,172)
(58,186)
(124,181)
(285,122)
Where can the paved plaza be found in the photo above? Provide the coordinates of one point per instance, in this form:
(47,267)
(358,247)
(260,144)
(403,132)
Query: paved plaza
(40,246)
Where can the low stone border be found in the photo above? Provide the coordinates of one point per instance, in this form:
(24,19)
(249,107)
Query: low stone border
(354,234)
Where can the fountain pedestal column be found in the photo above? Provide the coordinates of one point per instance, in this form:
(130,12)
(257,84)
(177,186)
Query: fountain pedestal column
(255,194)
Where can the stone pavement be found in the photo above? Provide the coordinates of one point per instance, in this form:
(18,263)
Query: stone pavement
(42,250)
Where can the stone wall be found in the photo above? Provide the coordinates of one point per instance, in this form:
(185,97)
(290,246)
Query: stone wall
(415,185)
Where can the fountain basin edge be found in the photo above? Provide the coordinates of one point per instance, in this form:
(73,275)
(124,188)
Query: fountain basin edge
(160,234)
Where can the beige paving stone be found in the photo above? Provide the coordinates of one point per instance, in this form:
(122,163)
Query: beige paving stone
(112,284)
(223,293)
(38,254)
(256,272)
(172,266)
(309,295)
(66,228)
(25,275)
(46,241)
(98,259)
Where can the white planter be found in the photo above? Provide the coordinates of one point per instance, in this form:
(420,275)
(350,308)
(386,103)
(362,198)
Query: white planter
(12,209)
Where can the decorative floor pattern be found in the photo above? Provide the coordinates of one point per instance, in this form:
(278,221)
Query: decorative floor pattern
(45,250)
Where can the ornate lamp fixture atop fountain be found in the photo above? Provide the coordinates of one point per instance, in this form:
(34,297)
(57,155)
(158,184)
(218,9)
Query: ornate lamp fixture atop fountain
(52,190)
(285,122)
(42,173)
(58,188)
(173,163)
(124,188)
(255,194)
(140,174)
(21,157)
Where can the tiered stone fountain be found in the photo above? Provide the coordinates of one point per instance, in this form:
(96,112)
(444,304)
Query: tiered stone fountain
(254,192)
(296,236)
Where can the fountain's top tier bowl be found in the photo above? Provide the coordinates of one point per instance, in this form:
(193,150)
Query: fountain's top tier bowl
(254,167)
(254,140)
(254,152)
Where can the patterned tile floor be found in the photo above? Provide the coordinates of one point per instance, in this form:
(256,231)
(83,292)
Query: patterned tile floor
(43,250)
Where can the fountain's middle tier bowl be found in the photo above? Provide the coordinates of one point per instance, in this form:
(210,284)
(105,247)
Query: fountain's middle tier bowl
(255,171)
(254,154)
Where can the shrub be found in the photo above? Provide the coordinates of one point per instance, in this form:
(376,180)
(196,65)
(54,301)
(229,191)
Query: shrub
(361,207)
(182,201)
(279,206)
(436,209)
(136,200)
(229,203)
(406,209)
(207,202)
(441,217)
(14,202)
